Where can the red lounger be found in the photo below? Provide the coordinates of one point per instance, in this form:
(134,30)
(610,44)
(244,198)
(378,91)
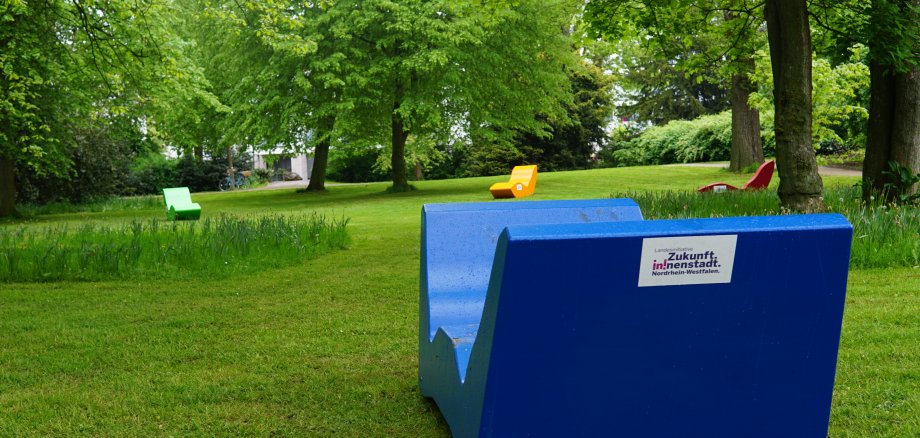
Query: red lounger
(760,180)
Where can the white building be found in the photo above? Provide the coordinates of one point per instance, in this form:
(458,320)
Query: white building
(300,164)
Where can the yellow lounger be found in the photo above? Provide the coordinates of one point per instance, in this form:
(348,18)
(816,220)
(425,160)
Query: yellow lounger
(522,182)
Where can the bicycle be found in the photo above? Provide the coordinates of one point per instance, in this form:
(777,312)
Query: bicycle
(227,183)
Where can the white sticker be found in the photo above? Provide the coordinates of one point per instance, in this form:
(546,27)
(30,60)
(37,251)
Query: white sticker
(670,261)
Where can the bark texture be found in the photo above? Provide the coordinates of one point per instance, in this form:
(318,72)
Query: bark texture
(321,157)
(398,160)
(746,146)
(894,118)
(399,135)
(7,187)
(905,130)
(800,188)
(878,141)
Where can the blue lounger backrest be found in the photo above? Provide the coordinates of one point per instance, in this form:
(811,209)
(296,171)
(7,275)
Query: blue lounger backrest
(458,245)
(459,240)
(589,330)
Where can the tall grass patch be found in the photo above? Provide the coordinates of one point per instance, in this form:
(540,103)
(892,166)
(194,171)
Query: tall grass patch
(883,235)
(114,203)
(154,248)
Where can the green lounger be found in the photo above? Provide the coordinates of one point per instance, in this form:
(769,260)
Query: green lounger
(179,205)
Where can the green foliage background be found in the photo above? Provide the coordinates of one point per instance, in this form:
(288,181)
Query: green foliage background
(707,138)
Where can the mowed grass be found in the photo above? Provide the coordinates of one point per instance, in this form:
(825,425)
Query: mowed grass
(328,346)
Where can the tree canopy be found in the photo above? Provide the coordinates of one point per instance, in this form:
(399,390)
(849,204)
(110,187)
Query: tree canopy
(689,58)
(454,87)
(69,66)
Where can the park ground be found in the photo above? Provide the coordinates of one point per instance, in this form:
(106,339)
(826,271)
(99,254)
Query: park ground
(328,346)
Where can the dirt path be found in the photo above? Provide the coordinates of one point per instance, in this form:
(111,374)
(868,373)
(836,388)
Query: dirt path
(302,184)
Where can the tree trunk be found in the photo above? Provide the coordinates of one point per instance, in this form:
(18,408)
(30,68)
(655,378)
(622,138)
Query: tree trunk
(398,160)
(878,140)
(905,130)
(321,156)
(894,115)
(746,146)
(7,187)
(399,136)
(800,186)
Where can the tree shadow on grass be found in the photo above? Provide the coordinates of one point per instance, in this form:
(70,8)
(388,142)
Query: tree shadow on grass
(336,196)
(284,201)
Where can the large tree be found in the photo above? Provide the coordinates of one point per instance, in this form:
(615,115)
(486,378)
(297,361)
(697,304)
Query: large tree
(789,34)
(891,30)
(71,66)
(28,63)
(421,67)
(277,65)
(364,73)
(789,39)
(894,110)
(747,148)
(706,42)
(658,87)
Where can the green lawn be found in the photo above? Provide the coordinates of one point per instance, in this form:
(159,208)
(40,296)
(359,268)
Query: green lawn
(328,346)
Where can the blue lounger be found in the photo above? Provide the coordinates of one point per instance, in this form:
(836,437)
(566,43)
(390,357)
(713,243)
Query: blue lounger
(707,327)
(458,245)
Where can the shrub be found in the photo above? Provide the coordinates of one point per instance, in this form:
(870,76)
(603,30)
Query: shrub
(150,174)
(707,138)
(200,175)
(99,162)
(840,100)
(261,176)
(355,164)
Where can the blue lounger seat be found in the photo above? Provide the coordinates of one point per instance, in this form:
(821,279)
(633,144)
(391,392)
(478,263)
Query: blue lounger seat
(601,326)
